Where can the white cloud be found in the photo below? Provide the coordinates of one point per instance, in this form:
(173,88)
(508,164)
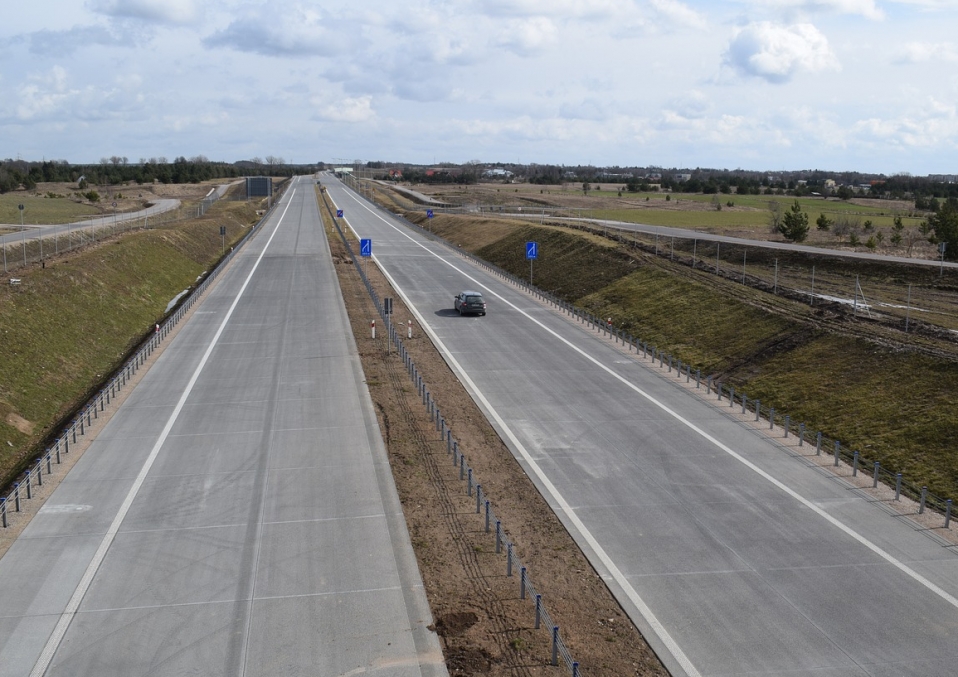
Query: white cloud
(679,13)
(528,36)
(161,11)
(921,52)
(297,30)
(866,8)
(348,109)
(777,53)
(65,42)
(45,95)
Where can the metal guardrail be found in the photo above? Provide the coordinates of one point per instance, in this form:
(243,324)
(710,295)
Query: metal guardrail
(473,487)
(859,463)
(80,425)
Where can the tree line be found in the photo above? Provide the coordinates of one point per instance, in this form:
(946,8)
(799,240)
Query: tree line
(116,170)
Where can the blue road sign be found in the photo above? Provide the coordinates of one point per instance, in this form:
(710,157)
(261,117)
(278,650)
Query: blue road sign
(532,250)
(339,213)
(428,213)
(365,247)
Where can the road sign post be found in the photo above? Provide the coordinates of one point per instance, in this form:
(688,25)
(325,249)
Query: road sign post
(223,235)
(532,253)
(365,250)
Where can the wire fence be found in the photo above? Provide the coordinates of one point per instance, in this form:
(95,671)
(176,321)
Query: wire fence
(472,486)
(34,247)
(90,411)
(859,464)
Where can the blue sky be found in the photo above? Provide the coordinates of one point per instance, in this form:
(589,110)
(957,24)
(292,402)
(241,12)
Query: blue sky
(867,85)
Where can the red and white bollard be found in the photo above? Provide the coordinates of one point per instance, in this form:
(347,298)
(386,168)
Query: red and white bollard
(608,324)
(409,332)
(372,325)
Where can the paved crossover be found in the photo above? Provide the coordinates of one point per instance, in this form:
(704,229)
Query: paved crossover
(237,515)
(734,557)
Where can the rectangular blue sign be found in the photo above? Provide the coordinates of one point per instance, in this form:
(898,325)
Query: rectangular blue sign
(365,247)
(429,214)
(532,250)
(339,213)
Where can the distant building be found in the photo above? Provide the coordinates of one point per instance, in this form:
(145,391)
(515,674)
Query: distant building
(678,177)
(498,174)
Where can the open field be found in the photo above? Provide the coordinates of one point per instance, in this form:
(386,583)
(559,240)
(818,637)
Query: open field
(748,217)
(56,203)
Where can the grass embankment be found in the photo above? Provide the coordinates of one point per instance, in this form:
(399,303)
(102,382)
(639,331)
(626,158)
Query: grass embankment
(42,209)
(892,405)
(68,325)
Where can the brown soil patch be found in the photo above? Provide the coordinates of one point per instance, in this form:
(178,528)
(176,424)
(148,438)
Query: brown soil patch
(20,423)
(485,628)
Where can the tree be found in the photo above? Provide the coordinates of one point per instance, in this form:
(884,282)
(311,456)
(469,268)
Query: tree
(774,215)
(823,222)
(944,223)
(897,230)
(794,225)
(586,187)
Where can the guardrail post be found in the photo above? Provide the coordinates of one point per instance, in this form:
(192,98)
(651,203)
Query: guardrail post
(801,434)
(708,386)
(818,444)
(924,497)
(898,486)
(688,374)
(771,417)
(29,486)
(3,511)
(522,583)
(731,397)
(875,475)
(855,464)
(838,447)
(698,377)
(509,560)
(49,469)
(538,611)
(947,513)
(744,402)
(555,644)
(575,669)
(788,423)
(16,495)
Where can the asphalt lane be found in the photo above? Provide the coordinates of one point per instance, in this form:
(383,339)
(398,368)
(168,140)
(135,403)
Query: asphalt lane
(237,515)
(733,557)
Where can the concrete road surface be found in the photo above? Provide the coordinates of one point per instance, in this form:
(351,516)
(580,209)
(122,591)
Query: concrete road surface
(732,556)
(237,516)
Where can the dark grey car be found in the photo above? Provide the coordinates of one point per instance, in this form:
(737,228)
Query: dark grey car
(469,302)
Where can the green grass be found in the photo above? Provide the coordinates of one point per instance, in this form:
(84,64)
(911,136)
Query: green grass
(69,324)
(893,406)
(42,210)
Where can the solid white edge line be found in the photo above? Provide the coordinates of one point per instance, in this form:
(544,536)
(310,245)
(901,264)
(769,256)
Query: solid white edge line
(888,557)
(53,643)
(661,632)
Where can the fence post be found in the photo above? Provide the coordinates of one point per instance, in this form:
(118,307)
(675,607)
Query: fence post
(875,475)
(555,644)
(509,559)
(16,496)
(538,611)
(898,487)
(522,583)
(838,446)
(498,536)
(487,516)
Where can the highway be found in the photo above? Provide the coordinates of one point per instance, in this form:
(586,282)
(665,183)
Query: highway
(237,515)
(732,556)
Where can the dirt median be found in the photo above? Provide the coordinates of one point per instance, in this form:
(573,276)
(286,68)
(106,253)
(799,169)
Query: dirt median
(485,628)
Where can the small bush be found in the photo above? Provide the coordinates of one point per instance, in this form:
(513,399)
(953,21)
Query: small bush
(92,196)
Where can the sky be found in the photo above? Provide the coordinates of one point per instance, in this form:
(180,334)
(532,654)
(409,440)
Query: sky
(765,85)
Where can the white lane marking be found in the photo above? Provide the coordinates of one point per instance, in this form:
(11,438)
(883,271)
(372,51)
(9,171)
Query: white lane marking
(46,656)
(888,557)
(654,623)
